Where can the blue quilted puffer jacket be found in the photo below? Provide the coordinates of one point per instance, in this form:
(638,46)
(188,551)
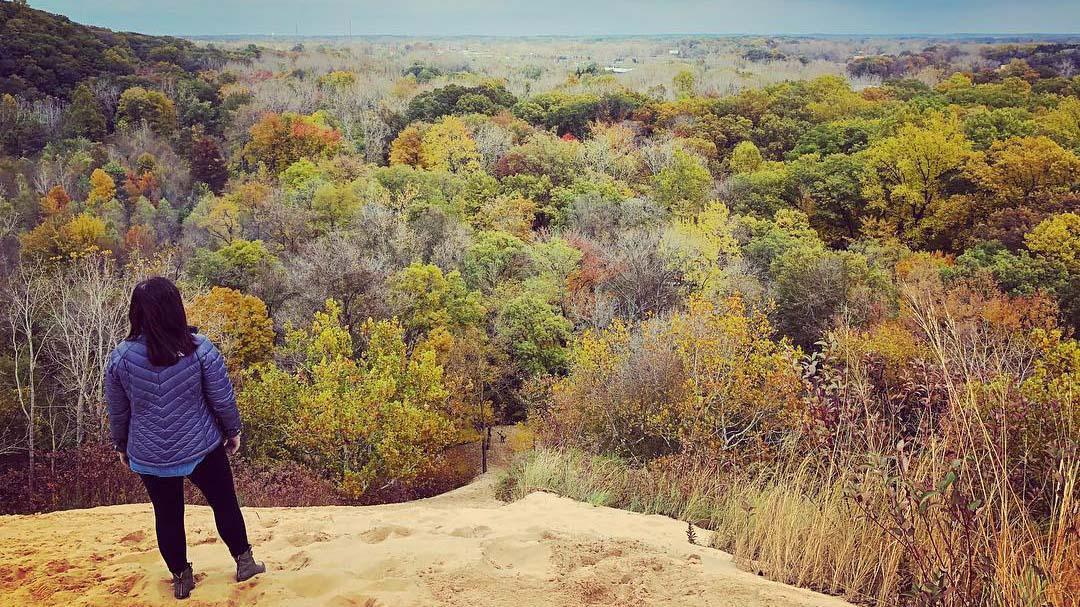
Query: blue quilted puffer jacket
(169,416)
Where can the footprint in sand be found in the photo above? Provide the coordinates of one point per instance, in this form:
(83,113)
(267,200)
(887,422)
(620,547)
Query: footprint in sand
(378,569)
(126,584)
(520,554)
(472,532)
(300,540)
(376,535)
(298,561)
(134,537)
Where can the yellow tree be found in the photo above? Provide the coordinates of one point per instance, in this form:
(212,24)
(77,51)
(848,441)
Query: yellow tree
(139,105)
(907,175)
(237,323)
(424,299)
(509,213)
(726,385)
(102,189)
(223,217)
(447,146)
(338,79)
(55,238)
(745,158)
(1028,171)
(701,245)
(1062,124)
(362,419)
(1057,240)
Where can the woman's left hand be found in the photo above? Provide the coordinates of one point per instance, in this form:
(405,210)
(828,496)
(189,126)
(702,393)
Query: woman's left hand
(232,444)
(124,458)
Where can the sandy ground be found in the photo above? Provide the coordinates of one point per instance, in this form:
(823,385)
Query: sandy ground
(461,548)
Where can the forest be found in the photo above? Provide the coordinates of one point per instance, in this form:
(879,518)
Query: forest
(802,292)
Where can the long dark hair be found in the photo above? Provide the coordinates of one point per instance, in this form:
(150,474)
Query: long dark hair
(157,314)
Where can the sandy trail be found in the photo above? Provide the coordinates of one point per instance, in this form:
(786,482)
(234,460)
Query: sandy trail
(461,548)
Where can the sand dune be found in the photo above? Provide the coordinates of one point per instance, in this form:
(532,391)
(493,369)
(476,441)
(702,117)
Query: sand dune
(462,548)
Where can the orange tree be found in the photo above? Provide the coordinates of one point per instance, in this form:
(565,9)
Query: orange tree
(278,140)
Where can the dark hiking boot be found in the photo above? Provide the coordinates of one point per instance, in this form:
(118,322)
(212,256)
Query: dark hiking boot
(183,583)
(247,567)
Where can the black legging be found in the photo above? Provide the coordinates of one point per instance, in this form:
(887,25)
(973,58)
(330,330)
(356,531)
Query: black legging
(214,478)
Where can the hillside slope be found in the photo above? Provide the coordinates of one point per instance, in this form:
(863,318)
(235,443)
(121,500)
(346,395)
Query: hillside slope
(43,54)
(461,548)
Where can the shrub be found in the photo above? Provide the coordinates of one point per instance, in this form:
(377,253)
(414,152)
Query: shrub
(708,378)
(367,422)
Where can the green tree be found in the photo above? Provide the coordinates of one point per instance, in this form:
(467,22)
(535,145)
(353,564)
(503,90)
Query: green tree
(985,126)
(832,187)
(334,206)
(139,105)
(493,258)
(534,333)
(812,284)
(745,158)
(237,265)
(84,117)
(684,83)
(423,299)
(684,186)
(552,262)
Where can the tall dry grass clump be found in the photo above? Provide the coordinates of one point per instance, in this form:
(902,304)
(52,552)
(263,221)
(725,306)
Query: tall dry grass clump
(928,458)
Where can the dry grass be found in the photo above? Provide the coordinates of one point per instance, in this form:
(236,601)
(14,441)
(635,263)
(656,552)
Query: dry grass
(785,526)
(789,525)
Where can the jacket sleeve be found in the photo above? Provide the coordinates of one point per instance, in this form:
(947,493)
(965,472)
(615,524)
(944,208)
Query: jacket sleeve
(218,389)
(119,405)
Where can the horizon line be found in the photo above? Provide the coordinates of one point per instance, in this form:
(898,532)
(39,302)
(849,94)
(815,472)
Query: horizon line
(640,35)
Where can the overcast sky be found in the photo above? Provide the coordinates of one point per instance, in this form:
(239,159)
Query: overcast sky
(570,17)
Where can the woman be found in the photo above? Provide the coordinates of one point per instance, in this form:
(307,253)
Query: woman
(172,413)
